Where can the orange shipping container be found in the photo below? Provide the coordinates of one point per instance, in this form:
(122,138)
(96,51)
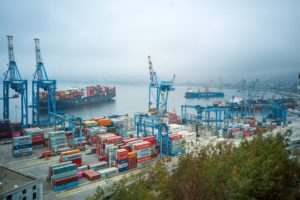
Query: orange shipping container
(132,154)
(105,122)
(69,152)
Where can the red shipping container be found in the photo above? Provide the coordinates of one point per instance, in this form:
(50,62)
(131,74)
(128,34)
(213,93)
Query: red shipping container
(46,153)
(150,139)
(77,161)
(132,161)
(91,175)
(93,139)
(122,154)
(63,181)
(5,134)
(154,154)
(130,140)
(139,160)
(115,139)
(103,157)
(176,137)
(142,145)
(38,143)
(16,134)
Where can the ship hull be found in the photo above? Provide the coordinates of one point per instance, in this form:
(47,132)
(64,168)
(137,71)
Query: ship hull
(192,95)
(258,106)
(80,101)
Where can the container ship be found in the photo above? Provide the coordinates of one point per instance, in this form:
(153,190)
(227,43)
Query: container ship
(192,93)
(79,96)
(257,103)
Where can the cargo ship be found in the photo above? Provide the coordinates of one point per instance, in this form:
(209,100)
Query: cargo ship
(257,103)
(79,96)
(192,93)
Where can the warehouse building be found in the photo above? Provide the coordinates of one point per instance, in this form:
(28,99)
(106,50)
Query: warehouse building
(15,185)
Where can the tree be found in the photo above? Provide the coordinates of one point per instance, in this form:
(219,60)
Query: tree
(257,169)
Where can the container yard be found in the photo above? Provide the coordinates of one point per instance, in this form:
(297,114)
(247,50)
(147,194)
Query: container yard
(69,153)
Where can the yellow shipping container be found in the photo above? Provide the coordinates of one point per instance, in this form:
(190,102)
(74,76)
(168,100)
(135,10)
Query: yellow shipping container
(89,123)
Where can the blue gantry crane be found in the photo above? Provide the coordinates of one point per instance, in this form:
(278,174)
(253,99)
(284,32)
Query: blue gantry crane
(153,126)
(41,82)
(206,116)
(158,91)
(275,111)
(14,81)
(74,124)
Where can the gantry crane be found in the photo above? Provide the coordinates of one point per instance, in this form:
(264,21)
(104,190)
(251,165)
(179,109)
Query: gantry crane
(41,81)
(158,91)
(14,81)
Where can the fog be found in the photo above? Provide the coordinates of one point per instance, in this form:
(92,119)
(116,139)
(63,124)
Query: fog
(196,40)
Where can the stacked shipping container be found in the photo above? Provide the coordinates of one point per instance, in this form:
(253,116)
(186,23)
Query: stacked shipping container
(22,146)
(63,176)
(37,134)
(57,140)
(175,145)
(109,172)
(74,156)
(122,159)
(5,129)
(143,153)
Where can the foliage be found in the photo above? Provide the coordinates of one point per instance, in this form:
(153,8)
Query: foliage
(257,169)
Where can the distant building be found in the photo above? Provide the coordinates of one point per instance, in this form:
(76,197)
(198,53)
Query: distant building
(15,185)
(243,84)
(299,82)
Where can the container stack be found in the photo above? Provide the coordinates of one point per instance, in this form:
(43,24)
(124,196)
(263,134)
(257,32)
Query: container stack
(101,142)
(22,146)
(175,128)
(104,122)
(143,153)
(91,175)
(96,166)
(106,139)
(173,118)
(236,133)
(175,145)
(93,132)
(119,126)
(57,140)
(16,129)
(69,136)
(112,155)
(74,156)
(80,141)
(189,139)
(109,172)
(5,129)
(151,139)
(37,134)
(89,124)
(80,171)
(63,176)
(122,159)
(132,160)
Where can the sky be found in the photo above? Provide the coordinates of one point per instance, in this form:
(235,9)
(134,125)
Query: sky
(196,40)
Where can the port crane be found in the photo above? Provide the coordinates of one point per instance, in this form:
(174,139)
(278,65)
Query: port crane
(158,91)
(13,80)
(41,82)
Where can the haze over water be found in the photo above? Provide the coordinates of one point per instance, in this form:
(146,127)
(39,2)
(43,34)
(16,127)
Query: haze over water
(129,99)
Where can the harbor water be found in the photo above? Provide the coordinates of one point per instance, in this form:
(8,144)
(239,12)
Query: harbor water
(129,99)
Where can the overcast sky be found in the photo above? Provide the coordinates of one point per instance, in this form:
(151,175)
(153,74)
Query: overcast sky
(196,40)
